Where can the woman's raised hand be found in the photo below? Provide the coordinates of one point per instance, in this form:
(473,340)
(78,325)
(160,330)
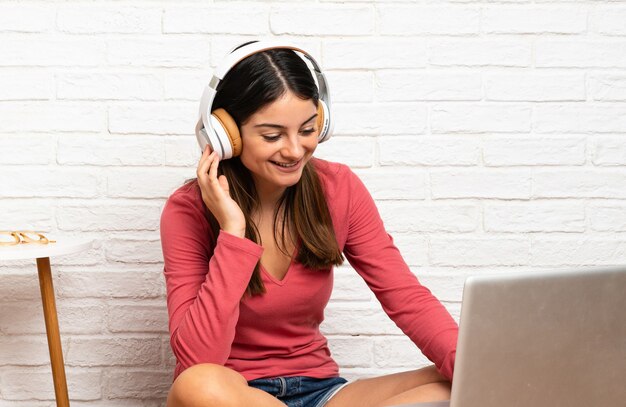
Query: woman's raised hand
(216,196)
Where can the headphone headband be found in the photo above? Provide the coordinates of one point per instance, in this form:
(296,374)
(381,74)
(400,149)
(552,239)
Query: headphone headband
(241,52)
(236,55)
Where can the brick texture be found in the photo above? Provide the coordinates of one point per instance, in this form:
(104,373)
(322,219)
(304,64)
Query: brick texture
(491,135)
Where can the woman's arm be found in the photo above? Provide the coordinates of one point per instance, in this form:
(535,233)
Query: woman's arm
(204,284)
(371,251)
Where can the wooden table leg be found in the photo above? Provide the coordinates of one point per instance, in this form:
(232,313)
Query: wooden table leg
(52,330)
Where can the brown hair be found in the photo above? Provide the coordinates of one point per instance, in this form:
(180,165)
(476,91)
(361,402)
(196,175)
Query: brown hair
(304,210)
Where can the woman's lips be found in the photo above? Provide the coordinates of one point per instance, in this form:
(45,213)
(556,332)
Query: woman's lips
(293,168)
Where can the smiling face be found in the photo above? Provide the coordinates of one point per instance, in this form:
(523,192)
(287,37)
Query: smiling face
(278,140)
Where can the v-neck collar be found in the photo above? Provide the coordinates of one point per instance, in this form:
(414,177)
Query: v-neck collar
(287,273)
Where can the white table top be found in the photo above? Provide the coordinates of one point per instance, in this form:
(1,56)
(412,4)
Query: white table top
(64,245)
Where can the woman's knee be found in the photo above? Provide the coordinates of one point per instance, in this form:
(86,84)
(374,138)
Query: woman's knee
(436,383)
(432,374)
(205,385)
(438,390)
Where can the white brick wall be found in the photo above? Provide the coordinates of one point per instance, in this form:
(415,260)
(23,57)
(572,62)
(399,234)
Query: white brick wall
(491,134)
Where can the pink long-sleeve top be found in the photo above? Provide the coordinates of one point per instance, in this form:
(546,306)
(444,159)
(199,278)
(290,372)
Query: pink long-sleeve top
(277,333)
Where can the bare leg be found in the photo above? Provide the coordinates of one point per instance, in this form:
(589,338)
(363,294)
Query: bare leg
(407,387)
(427,392)
(209,385)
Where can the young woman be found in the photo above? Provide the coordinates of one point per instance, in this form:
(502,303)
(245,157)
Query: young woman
(249,247)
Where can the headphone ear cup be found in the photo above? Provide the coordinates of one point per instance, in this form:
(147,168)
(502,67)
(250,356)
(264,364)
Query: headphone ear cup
(323,121)
(230,129)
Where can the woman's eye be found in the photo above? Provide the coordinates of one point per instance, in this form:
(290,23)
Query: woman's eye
(272,138)
(275,137)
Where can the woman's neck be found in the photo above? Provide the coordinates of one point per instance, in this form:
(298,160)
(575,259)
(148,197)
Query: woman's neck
(268,197)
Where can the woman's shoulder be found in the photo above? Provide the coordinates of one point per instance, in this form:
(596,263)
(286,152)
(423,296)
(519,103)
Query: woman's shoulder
(329,170)
(338,181)
(187,195)
(184,214)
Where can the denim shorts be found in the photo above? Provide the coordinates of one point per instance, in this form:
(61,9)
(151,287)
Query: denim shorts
(300,391)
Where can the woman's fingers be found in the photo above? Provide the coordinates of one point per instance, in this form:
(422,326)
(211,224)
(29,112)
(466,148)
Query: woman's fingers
(208,177)
(205,154)
(213,167)
(203,164)
(216,196)
(223,183)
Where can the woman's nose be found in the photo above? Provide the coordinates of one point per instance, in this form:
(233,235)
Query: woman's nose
(292,148)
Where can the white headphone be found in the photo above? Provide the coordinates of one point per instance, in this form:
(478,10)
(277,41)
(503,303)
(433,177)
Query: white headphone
(219,130)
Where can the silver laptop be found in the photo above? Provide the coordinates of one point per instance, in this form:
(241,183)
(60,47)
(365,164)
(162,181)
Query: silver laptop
(542,339)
